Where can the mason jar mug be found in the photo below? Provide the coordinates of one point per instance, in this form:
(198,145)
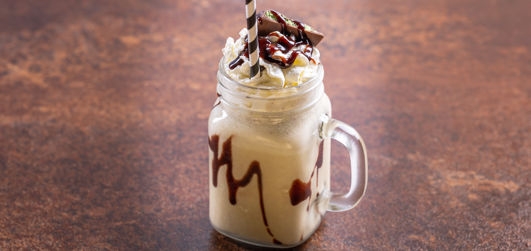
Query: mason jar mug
(269,161)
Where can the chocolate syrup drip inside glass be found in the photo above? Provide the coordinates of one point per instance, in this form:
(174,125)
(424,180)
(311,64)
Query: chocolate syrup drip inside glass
(284,44)
(233,184)
(300,190)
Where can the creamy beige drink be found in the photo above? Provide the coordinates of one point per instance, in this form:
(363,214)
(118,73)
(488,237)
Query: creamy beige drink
(269,159)
(278,156)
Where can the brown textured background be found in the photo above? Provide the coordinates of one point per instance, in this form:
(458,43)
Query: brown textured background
(104,106)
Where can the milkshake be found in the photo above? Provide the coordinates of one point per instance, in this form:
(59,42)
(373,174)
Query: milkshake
(269,146)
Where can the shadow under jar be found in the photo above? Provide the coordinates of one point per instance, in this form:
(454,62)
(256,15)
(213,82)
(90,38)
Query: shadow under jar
(269,177)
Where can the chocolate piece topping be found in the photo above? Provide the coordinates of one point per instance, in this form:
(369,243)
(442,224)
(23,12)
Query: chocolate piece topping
(267,24)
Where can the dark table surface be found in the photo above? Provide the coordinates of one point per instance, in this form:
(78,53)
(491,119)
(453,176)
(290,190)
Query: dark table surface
(104,107)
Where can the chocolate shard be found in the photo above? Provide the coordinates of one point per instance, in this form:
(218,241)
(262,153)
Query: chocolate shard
(267,25)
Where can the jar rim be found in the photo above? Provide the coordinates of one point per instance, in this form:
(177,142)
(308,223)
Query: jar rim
(231,84)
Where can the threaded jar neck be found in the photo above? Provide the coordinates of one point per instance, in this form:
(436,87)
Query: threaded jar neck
(269,99)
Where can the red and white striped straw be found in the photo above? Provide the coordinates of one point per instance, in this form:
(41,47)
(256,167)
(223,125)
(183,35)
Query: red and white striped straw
(252,29)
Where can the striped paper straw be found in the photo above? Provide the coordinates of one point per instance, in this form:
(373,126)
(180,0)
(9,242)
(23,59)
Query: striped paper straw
(252,29)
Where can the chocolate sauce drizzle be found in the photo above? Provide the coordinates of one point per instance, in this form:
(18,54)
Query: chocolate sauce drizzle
(239,60)
(284,44)
(300,190)
(218,101)
(233,184)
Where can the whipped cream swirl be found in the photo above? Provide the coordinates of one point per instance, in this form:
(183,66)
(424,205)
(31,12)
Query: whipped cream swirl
(271,74)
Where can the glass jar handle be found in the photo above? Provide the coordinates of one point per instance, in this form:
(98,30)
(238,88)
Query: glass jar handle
(352,140)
